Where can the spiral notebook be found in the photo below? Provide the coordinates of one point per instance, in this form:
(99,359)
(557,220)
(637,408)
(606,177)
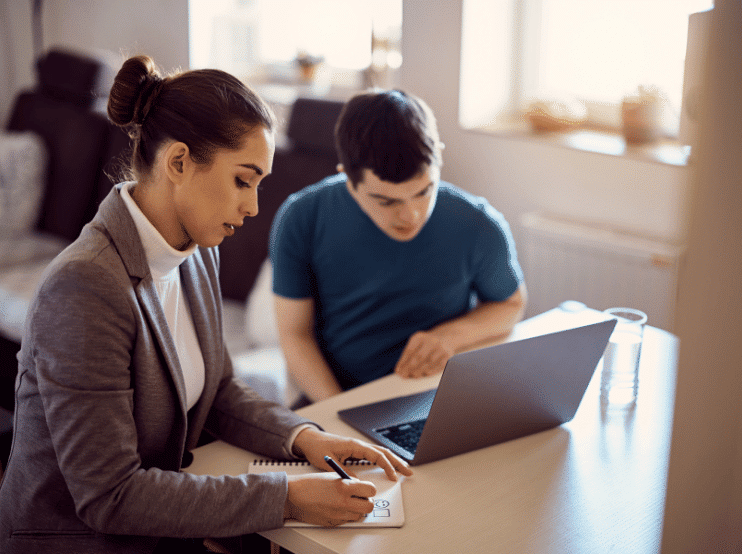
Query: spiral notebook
(388,508)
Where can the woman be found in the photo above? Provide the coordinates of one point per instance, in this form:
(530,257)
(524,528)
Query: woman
(123,363)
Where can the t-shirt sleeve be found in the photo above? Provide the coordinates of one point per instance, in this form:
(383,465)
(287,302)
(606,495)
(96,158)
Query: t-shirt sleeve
(497,271)
(289,250)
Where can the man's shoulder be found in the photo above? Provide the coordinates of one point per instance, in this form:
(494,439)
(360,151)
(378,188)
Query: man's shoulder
(320,191)
(473,215)
(455,198)
(312,204)
(313,198)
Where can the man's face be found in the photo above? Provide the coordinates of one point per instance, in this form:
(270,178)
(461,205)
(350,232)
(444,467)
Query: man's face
(400,210)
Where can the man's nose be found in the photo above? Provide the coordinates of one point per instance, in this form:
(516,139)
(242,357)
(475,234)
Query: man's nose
(408,213)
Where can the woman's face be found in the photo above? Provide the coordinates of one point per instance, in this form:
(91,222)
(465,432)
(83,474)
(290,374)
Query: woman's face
(214,200)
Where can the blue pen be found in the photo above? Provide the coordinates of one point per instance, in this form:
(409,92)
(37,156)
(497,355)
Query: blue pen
(339,470)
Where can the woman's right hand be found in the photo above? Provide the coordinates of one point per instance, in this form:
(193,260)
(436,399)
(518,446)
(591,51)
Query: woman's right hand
(327,500)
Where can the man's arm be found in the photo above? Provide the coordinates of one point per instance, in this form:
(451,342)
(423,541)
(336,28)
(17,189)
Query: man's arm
(304,360)
(427,352)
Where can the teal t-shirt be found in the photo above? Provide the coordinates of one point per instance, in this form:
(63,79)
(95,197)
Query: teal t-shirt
(372,292)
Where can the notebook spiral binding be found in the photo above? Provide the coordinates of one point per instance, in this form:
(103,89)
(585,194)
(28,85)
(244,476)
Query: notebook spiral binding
(284,463)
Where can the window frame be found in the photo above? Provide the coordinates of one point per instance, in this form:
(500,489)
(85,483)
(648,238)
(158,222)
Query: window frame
(524,53)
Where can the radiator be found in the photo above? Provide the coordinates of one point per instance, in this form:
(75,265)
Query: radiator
(567,260)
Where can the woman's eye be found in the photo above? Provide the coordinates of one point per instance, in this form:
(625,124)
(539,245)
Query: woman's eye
(241,183)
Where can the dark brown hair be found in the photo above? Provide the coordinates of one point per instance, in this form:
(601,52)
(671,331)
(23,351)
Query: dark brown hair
(392,133)
(207,109)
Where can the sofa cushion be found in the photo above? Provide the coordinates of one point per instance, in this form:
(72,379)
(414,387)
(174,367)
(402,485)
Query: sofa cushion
(261,330)
(312,125)
(17,287)
(264,369)
(260,366)
(32,248)
(77,78)
(75,140)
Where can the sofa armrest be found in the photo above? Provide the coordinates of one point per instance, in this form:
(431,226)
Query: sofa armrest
(259,366)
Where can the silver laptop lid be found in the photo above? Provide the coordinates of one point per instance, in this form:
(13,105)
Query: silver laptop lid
(511,390)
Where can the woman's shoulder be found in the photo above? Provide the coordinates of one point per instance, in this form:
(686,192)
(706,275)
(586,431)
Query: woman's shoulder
(89,265)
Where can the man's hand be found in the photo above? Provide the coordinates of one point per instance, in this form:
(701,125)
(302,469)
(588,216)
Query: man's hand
(326,499)
(425,354)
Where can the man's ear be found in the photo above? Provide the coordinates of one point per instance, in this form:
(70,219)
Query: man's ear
(177,161)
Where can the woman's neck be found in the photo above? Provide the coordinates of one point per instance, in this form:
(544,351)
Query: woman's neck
(155,202)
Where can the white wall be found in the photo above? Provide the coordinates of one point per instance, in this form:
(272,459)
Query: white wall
(703,511)
(159,28)
(16,52)
(124,28)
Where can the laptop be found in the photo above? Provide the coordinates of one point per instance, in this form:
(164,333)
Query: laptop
(488,396)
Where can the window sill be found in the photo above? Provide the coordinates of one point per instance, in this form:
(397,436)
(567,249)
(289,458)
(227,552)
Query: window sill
(665,151)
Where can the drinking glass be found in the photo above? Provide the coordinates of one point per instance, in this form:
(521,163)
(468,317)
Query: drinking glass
(620,378)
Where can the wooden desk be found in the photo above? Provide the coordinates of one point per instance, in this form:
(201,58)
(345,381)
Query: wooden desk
(594,485)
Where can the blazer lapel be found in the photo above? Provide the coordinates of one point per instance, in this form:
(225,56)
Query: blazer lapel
(207,322)
(114,217)
(150,301)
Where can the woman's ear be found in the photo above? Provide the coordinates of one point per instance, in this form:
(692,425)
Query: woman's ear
(177,161)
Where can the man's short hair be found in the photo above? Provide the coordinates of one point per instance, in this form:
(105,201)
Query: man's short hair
(392,133)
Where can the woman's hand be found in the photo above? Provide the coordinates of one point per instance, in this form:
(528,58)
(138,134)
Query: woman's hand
(314,445)
(327,499)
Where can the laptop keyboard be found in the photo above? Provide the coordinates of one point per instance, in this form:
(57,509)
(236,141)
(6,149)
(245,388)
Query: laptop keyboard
(405,434)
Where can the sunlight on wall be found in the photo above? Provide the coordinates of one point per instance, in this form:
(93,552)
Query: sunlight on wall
(239,35)
(515,51)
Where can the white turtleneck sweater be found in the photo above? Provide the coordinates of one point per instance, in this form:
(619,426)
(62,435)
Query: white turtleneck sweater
(164,261)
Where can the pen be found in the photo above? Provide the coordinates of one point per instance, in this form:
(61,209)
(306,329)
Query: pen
(339,470)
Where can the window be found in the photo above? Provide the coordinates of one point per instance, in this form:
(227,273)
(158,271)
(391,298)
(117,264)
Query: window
(593,51)
(249,37)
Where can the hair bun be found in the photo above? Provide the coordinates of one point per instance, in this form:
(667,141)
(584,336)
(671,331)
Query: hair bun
(147,95)
(134,90)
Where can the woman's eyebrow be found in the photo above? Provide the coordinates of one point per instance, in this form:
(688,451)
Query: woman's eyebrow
(254,167)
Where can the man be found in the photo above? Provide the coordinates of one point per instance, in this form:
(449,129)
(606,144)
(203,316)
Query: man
(382,267)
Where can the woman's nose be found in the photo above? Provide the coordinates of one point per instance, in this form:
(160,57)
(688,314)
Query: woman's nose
(249,205)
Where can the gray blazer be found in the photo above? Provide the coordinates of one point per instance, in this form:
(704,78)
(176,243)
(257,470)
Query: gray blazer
(100,420)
